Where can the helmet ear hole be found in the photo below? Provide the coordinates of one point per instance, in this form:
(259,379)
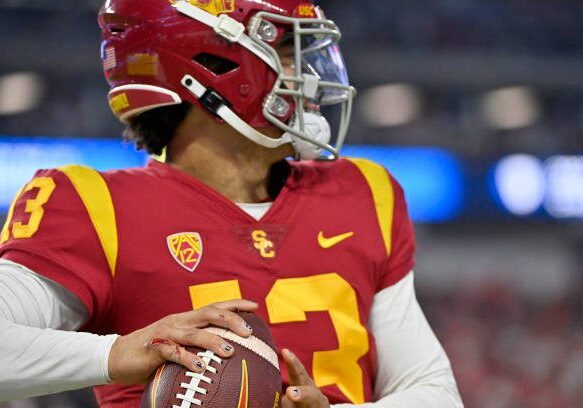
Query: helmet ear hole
(117,30)
(217,65)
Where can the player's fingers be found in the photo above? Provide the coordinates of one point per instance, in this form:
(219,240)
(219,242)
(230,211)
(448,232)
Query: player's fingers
(205,340)
(213,315)
(298,374)
(306,396)
(168,350)
(235,305)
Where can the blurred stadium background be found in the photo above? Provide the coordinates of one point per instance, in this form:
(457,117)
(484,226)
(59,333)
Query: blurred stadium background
(475,105)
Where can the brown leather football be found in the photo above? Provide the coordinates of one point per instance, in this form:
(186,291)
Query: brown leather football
(250,378)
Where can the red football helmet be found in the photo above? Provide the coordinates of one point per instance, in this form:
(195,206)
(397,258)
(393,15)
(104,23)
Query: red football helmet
(222,56)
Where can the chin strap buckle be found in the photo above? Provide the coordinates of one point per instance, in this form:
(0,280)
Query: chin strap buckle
(208,97)
(212,101)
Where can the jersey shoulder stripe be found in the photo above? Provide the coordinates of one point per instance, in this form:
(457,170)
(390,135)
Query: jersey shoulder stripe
(383,195)
(95,195)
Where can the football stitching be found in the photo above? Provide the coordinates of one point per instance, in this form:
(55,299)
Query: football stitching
(194,386)
(252,343)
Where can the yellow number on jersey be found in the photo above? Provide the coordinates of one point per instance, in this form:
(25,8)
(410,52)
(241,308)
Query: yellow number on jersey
(326,293)
(34,207)
(207,293)
(333,294)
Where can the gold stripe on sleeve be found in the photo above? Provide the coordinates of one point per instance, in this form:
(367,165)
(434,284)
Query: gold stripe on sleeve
(97,200)
(382,192)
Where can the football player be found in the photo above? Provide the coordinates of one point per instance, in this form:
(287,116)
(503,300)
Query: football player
(105,276)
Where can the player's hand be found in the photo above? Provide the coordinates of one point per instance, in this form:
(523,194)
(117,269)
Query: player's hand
(302,392)
(135,356)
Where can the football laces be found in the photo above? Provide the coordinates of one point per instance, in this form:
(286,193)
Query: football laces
(197,381)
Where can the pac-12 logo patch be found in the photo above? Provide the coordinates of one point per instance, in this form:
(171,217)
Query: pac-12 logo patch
(186,249)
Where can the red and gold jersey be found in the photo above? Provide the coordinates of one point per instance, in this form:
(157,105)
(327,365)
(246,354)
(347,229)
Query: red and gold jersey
(136,245)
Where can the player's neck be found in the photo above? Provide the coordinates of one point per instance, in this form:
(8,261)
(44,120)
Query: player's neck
(225,161)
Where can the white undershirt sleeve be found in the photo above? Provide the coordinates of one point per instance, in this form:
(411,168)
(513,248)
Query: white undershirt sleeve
(32,300)
(37,354)
(413,369)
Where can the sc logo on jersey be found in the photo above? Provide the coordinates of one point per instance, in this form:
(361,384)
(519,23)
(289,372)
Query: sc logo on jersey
(262,244)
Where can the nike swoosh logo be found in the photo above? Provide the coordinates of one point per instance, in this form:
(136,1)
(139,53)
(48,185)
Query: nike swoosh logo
(335,240)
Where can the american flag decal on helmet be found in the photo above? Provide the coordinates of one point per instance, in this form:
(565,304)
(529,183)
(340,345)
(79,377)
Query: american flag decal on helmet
(109,59)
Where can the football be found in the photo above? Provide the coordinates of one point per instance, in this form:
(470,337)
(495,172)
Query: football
(250,378)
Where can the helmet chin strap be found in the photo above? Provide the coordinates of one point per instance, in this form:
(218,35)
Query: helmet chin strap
(316,126)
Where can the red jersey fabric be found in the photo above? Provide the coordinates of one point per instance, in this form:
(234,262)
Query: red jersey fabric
(136,245)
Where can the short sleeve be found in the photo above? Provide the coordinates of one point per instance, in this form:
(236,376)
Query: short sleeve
(52,229)
(401,259)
